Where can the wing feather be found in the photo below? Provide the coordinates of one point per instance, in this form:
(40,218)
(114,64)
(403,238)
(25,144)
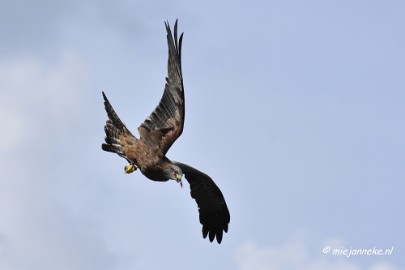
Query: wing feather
(165,124)
(118,137)
(214,213)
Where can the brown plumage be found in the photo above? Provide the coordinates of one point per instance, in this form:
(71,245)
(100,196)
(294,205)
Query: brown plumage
(157,134)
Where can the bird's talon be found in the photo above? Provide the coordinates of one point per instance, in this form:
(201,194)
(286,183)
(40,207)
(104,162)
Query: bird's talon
(130,168)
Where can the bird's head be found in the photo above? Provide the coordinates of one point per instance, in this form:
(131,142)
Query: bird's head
(175,173)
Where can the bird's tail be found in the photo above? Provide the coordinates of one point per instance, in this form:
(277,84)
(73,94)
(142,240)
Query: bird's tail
(114,129)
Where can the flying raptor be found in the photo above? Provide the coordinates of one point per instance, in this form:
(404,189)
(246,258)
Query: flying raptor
(157,134)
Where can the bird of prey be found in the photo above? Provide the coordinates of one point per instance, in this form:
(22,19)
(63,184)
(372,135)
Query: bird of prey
(157,134)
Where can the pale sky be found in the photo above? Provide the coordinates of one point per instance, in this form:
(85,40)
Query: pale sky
(294,108)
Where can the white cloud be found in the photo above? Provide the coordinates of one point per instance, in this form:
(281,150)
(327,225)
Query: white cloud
(12,130)
(295,254)
(37,100)
(384,266)
(36,95)
(290,255)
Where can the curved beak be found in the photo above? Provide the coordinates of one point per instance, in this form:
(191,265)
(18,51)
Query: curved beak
(177,176)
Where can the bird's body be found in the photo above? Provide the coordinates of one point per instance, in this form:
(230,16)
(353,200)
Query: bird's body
(157,134)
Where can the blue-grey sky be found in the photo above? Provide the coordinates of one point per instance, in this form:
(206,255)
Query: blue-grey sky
(295,109)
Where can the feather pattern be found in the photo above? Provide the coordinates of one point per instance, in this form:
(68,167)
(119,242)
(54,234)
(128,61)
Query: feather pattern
(114,129)
(165,123)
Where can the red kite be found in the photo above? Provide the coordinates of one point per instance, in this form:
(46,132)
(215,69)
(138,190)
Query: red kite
(157,134)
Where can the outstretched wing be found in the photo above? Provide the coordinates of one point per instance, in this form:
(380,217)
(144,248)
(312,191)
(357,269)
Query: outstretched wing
(165,124)
(214,213)
(118,138)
